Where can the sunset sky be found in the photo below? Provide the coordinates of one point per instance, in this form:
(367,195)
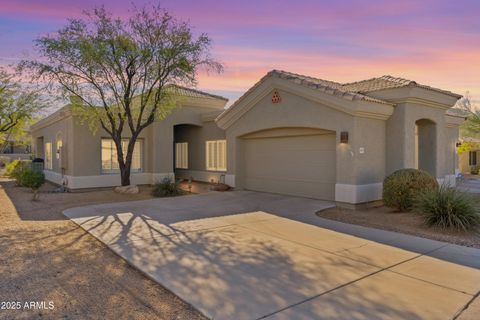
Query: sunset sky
(433,42)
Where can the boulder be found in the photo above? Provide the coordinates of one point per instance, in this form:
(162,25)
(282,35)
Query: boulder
(131,189)
(221,187)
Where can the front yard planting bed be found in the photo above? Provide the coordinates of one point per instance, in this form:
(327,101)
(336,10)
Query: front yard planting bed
(403,222)
(46,257)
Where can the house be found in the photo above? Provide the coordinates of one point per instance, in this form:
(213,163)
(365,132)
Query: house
(16,145)
(79,159)
(288,134)
(469,161)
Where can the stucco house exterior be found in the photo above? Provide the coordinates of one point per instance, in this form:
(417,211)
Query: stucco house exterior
(288,134)
(469,161)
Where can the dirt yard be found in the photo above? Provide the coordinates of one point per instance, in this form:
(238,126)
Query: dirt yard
(404,222)
(45,257)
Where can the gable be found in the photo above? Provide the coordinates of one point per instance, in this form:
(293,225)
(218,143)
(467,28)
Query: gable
(326,97)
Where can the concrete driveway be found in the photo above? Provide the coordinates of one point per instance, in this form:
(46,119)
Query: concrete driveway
(249,255)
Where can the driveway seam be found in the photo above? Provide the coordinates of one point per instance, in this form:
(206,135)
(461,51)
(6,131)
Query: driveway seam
(436,284)
(342,285)
(465,307)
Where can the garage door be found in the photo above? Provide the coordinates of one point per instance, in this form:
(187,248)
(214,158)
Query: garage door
(293,165)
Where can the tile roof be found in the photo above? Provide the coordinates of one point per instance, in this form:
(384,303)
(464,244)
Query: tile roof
(457,112)
(330,87)
(389,82)
(192,93)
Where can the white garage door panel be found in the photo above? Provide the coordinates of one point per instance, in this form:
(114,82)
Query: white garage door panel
(299,165)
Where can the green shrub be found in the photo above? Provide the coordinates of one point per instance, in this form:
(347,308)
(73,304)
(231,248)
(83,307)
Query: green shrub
(31,179)
(167,188)
(446,207)
(16,167)
(401,187)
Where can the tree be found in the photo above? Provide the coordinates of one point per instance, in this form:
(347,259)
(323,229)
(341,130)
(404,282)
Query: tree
(471,127)
(119,71)
(17,104)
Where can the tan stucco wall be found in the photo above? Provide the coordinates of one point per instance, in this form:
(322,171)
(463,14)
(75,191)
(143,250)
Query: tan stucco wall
(61,128)
(296,111)
(87,150)
(415,104)
(464,159)
(196,136)
(84,146)
(163,135)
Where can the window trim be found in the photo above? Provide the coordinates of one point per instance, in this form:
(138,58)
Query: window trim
(117,171)
(181,150)
(217,157)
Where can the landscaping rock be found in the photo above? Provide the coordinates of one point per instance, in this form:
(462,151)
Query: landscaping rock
(131,189)
(221,187)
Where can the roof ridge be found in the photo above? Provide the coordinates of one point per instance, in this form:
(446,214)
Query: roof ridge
(198,91)
(361,81)
(397,79)
(304,76)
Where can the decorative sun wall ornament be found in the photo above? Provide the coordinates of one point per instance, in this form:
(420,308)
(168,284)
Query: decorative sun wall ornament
(276,97)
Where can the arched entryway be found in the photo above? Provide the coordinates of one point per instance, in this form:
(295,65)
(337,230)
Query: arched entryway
(426,145)
(186,147)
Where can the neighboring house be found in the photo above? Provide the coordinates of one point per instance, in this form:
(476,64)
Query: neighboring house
(16,145)
(288,134)
(469,161)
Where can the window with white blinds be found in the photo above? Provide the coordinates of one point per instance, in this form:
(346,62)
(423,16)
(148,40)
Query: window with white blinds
(109,156)
(181,155)
(216,155)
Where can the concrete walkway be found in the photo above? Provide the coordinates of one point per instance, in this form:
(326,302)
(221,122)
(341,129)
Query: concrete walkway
(471,184)
(249,255)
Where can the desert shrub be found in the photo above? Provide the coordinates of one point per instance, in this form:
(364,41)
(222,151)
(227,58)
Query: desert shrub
(16,167)
(4,161)
(167,188)
(401,187)
(31,179)
(446,207)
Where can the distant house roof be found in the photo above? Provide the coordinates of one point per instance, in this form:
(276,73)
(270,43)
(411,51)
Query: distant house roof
(193,93)
(456,112)
(389,82)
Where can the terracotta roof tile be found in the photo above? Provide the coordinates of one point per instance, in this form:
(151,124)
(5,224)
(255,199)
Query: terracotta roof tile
(388,82)
(192,93)
(330,87)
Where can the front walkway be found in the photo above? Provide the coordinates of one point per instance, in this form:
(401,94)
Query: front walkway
(248,255)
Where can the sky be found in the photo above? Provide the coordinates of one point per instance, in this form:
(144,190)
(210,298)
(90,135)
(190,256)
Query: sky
(433,42)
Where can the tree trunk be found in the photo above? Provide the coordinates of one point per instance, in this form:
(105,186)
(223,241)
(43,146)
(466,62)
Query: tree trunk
(125,164)
(125,176)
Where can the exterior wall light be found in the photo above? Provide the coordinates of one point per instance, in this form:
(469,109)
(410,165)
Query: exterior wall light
(344,137)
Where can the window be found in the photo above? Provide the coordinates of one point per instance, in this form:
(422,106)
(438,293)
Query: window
(109,156)
(48,156)
(472,158)
(181,155)
(216,155)
(59,148)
